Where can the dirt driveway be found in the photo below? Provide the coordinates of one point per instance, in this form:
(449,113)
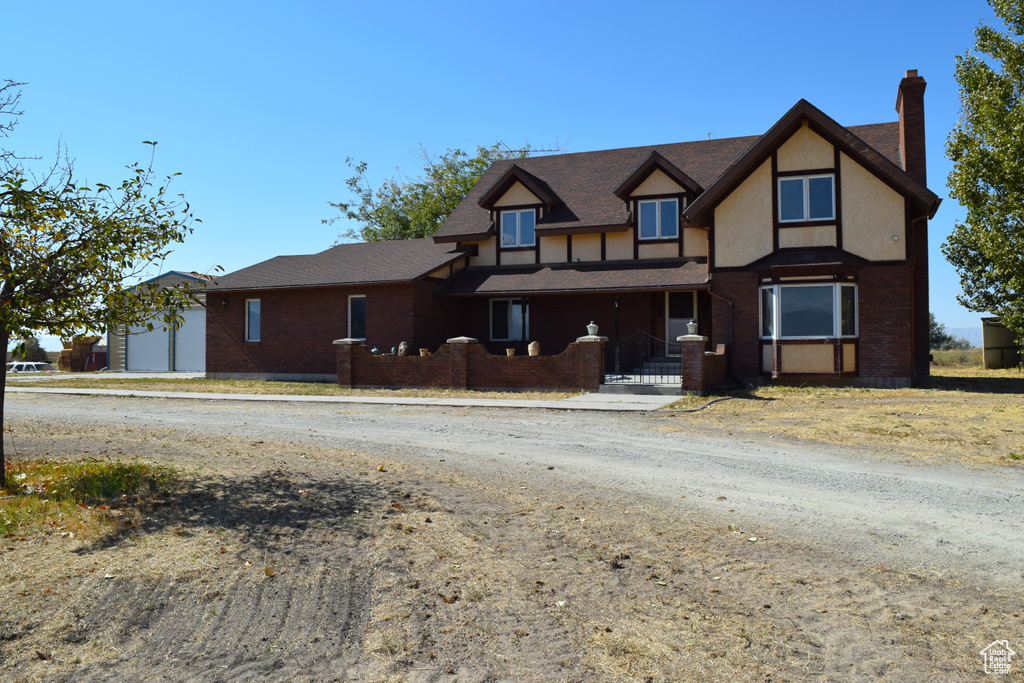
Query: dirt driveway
(494,546)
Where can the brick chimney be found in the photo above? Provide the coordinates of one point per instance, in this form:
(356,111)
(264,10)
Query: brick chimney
(910,105)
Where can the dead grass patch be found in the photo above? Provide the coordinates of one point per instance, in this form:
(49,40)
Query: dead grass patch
(968,415)
(236,386)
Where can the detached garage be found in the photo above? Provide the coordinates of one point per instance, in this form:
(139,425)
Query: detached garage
(159,349)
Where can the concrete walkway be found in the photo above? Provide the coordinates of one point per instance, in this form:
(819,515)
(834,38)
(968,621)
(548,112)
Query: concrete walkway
(606,402)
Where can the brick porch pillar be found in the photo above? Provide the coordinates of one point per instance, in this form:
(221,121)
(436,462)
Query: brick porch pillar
(458,370)
(344,348)
(591,361)
(694,380)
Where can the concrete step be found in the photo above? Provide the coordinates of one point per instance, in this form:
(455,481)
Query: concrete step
(641,389)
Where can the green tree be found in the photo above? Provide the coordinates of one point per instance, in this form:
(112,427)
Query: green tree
(68,251)
(30,350)
(940,340)
(406,208)
(987,150)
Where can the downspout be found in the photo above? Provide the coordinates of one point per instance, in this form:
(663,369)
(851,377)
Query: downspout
(730,348)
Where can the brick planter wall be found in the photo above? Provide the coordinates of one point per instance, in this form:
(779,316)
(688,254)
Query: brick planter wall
(701,370)
(468,365)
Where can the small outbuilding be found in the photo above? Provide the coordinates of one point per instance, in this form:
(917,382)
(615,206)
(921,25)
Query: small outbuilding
(999,344)
(163,349)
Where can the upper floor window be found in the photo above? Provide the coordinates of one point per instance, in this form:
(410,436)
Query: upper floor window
(252,320)
(517,228)
(659,219)
(807,198)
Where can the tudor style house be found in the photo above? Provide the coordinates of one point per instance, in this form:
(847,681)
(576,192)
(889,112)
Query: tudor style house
(803,251)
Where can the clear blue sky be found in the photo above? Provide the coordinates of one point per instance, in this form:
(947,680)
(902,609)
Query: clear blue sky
(258,104)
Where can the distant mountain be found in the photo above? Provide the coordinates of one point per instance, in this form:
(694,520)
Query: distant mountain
(971,334)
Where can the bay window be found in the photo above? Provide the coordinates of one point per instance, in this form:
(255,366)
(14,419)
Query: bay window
(809,311)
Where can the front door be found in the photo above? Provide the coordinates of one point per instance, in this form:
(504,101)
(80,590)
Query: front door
(681,308)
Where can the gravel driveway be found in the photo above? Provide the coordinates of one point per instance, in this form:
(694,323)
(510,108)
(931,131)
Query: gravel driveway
(858,505)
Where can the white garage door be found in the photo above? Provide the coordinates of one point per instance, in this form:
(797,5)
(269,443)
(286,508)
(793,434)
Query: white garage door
(148,351)
(190,342)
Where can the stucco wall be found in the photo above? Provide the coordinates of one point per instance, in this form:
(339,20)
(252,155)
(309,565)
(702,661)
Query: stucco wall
(805,150)
(586,247)
(485,253)
(807,358)
(657,183)
(743,221)
(618,246)
(517,195)
(872,215)
(695,242)
(818,236)
(553,249)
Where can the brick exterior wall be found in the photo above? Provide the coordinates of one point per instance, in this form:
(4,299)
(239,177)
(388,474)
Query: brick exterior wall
(744,347)
(886,321)
(299,325)
(470,366)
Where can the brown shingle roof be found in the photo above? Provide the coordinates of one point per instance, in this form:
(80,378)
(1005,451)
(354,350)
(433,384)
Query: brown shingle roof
(585,182)
(345,264)
(577,277)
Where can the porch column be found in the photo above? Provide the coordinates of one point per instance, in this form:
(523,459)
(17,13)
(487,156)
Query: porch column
(344,348)
(691,370)
(591,356)
(458,370)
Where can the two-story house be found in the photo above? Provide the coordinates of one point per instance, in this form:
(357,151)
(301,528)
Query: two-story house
(803,251)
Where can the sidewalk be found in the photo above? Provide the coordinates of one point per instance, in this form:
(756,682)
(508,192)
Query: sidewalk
(605,402)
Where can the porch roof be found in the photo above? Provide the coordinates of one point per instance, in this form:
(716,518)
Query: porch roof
(578,278)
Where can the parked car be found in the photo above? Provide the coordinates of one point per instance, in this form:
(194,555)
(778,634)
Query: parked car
(29,366)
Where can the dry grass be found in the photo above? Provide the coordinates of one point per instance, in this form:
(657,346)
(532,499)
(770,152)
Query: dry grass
(968,415)
(235,386)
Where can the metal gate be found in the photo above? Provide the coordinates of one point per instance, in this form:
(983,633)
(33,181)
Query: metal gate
(640,359)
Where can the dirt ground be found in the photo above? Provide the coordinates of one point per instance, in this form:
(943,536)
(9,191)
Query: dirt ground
(279,561)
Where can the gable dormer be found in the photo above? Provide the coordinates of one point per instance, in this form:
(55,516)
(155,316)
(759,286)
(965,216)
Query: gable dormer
(809,183)
(656,193)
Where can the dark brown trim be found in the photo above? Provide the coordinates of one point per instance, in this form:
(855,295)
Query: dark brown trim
(655,161)
(583,229)
(531,292)
(837,190)
(908,231)
(775,199)
(803,224)
(711,244)
(810,171)
(568,248)
(508,179)
(604,248)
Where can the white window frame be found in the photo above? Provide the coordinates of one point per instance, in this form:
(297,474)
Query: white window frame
(259,332)
(659,232)
(519,229)
(349,321)
(837,310)
(807,197)
(523,301)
